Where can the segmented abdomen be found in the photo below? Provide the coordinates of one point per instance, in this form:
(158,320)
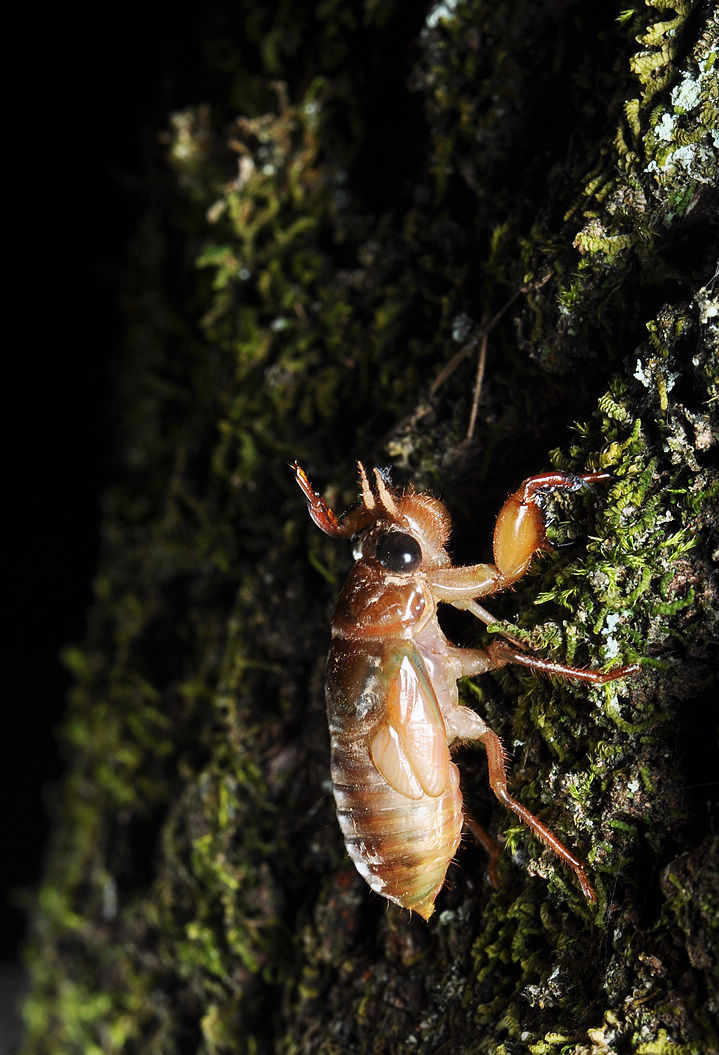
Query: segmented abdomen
(401,846)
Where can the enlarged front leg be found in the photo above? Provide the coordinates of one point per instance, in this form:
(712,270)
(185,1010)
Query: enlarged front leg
(520,530)
(519,533)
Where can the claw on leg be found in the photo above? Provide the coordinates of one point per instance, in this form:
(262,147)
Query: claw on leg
(520,530)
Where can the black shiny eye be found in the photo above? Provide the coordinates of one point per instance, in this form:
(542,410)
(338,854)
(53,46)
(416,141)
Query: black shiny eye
(398,552)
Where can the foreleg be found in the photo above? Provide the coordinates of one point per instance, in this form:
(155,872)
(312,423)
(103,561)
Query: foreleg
(519,533)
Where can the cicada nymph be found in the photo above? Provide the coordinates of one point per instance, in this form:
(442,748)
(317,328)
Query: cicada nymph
(391,682)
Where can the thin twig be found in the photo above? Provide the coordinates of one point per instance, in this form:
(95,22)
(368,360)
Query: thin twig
(480,338)
(481,363)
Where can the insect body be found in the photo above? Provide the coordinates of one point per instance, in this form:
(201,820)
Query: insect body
(391,681)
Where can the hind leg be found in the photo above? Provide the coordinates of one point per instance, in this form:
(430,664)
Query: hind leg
(489,845)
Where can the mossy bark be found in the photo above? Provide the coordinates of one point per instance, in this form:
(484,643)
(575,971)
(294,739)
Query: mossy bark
(416,174)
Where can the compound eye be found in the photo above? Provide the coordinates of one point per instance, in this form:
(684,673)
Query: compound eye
(398,552)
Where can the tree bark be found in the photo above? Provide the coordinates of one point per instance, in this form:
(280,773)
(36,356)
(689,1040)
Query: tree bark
(535,179)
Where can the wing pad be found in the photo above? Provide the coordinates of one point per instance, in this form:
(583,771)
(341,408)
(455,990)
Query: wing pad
(410,748)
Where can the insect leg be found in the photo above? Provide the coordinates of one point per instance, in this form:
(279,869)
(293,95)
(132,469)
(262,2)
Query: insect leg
(498,783)
(489,845)
(519,533)
(520,530)
(318,509)
(459,586)
(501,652)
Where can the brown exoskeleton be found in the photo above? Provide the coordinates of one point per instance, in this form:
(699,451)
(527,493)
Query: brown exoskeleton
(391,680)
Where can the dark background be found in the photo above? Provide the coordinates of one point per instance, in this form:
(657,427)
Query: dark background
(92,130)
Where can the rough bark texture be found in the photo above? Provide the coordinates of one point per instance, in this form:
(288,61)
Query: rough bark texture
(356,226)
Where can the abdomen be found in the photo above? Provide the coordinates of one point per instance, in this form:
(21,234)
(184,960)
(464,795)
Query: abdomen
(401,846)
